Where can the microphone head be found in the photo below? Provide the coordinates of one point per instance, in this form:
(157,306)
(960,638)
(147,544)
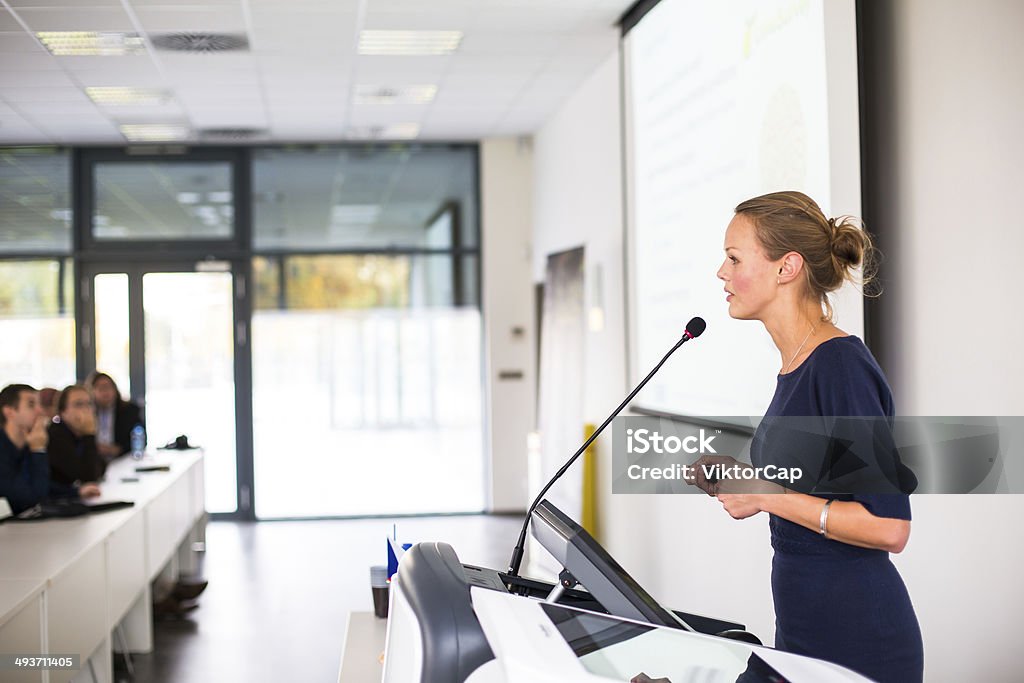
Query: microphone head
(695,327)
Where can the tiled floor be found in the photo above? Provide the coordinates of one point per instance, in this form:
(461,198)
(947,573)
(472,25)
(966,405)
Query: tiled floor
(280,593)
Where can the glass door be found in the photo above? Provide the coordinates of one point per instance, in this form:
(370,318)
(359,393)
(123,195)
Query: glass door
(167,335)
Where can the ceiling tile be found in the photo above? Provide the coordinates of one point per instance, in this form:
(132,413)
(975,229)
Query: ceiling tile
(303,32)
(136,77)
(171,111)
(401,70)
(289,97)
(32,61)
(518,61)
(22,135)
(552,17)
(76,19)
(63,3)
(227,117)
(8,24)
(173,19)
(200,94)
(367,115)
(21,43)
(493,67)
(186,3)
(509,44)
(30,79)
(40,94)
(419,20)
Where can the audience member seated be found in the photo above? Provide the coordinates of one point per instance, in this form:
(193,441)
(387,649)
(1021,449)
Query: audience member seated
(24,467)
(115,417)
(48,397)
(72,439)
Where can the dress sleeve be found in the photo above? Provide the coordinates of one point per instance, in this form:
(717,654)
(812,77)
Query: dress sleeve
(856,402)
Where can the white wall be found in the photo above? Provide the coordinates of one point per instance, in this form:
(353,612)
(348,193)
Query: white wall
(947,171)
(506,171)
(578,202)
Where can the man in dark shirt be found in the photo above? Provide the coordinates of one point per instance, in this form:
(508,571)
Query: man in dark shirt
(24,468)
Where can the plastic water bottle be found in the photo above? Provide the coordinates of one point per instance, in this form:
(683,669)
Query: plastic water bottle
(138,442)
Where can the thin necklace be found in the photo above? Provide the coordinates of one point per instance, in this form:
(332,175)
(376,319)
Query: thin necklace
(798,350)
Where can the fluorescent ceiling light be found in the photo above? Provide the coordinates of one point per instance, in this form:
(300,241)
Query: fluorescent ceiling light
(409,42)
(401,131)
(154,132)
(119,95)
(355,213)
(397,131)
(410,94)
(91,43)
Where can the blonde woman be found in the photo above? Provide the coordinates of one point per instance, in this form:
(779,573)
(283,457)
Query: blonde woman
(837,595)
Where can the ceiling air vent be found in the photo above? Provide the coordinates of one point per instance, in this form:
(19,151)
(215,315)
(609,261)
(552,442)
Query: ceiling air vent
(200,42)
(231,134)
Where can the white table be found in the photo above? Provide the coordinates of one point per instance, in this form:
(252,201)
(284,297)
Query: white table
(66,584)
(364,645)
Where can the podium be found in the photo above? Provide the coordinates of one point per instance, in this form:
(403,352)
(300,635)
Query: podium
(460,623)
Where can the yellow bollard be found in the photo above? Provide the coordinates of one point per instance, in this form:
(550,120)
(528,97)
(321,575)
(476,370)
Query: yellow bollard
(589,512)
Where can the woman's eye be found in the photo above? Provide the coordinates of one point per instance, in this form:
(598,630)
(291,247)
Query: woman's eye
(733,259)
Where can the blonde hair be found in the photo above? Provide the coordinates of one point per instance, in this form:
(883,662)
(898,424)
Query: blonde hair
(832,248)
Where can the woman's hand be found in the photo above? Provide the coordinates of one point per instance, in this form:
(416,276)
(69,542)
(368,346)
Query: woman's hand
(744,498)
(703,466)
(740,505)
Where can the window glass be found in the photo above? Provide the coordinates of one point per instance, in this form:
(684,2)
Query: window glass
(35,201)
(366,366)
(163,200)
(37,323)
(400,196)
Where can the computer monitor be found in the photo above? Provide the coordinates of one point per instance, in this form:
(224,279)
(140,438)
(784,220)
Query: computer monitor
(596,570)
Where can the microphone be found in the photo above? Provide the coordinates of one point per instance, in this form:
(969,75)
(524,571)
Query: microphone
(694,329)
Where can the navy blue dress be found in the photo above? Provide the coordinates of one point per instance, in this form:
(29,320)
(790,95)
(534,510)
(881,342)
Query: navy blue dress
(835,601)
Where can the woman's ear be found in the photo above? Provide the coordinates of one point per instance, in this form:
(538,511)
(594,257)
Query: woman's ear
(790,267)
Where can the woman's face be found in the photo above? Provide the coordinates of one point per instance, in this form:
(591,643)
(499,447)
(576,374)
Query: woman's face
(103,393)
(77,410)
(749,277)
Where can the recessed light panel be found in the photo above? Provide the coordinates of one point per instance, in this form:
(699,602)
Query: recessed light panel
(410,94)
(378,42)
(91,43)
(123,95)
(154,132)
(397,131)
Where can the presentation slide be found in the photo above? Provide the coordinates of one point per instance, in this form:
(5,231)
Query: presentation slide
(724,101)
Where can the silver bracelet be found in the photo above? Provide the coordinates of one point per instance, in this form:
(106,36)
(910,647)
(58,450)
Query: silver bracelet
(824,517)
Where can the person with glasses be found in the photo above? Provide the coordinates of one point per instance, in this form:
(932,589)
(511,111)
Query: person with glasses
(72,447)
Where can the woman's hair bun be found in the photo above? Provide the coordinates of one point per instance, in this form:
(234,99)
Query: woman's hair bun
(849,242)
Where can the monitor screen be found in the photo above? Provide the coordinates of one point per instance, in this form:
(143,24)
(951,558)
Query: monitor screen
(596,570)
(622,650)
